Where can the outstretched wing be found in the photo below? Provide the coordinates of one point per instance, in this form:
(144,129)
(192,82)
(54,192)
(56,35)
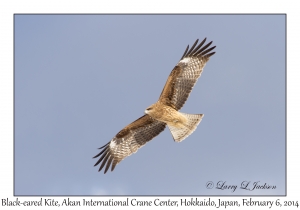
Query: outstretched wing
(185,74)
(128,141)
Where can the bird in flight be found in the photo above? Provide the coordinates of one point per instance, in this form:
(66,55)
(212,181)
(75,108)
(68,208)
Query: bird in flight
(164,112)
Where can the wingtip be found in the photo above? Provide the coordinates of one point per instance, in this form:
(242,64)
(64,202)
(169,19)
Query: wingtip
(196,49)
(210,54)
(104,146)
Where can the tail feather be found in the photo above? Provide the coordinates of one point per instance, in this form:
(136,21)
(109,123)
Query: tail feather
(193,120)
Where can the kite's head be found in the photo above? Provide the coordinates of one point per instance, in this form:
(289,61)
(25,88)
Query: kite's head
(150,109)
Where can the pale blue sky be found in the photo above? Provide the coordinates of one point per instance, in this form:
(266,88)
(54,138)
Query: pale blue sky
(79,79)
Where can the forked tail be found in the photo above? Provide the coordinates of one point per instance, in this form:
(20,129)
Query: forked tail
(190,126)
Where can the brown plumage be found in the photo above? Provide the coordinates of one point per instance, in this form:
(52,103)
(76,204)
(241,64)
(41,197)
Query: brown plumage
(164,112)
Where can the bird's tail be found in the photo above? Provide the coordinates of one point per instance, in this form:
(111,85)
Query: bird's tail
(189,127)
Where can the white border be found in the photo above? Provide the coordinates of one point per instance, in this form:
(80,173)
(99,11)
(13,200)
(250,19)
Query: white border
(9,8)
